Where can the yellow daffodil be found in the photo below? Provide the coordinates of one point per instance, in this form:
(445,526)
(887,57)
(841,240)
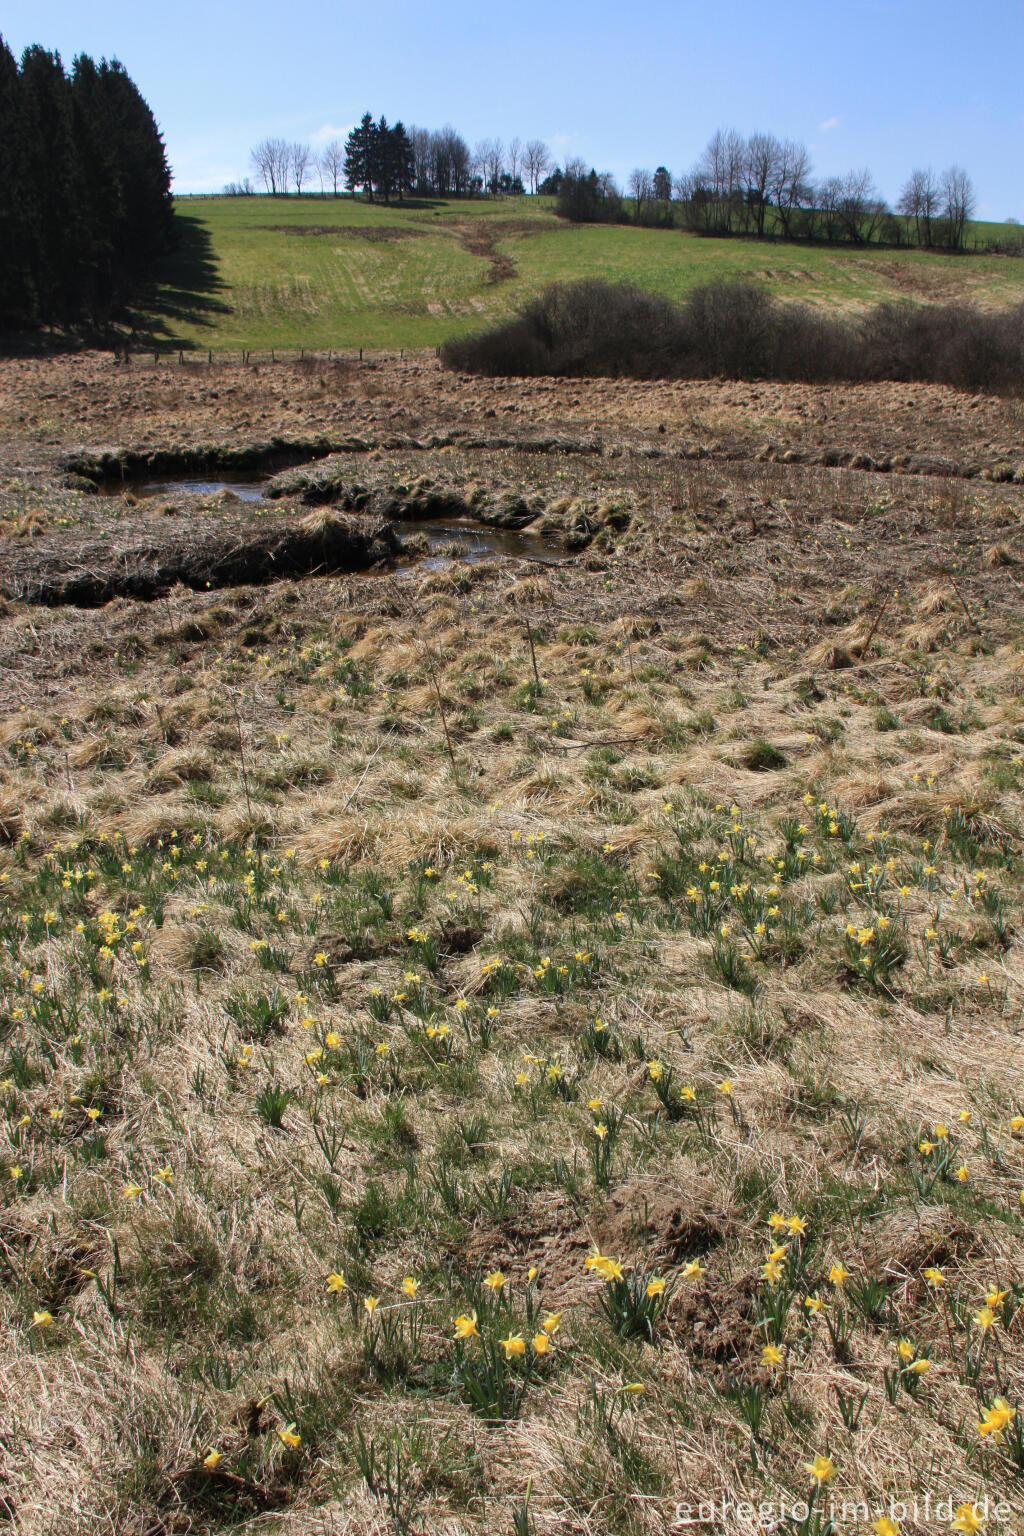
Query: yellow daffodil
(967,1520)
(997,1418)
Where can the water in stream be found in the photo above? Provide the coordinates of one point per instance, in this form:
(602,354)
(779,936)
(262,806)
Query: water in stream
(454,540)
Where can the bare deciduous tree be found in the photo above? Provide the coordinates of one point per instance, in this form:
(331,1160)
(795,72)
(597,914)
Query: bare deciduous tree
(270,160)
(760,169)
(720,171)
(490,162)
(790,185)
(537,162)
(301,163)
(919,200)
(514,159)
(957,204)
(332,165)
(849,207)
(640,188)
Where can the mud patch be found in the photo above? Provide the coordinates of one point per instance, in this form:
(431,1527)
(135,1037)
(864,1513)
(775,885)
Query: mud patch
(669,1222)
(374,234)
(478,240)
(716,1322)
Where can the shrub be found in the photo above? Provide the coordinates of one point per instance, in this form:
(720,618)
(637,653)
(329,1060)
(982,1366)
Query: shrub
(736,329)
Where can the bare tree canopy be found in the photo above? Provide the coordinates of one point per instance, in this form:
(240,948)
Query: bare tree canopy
(331,165)
(270,160)
(758,186)
(514,159)
(489,159)
(537,162)
(301,164)
(640,187)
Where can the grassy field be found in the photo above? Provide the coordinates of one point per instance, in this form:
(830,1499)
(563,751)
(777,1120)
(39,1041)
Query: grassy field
(512,1050)
(318,272)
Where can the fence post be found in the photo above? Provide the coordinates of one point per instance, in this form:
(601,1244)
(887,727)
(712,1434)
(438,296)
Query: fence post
(360,354)
(181,358)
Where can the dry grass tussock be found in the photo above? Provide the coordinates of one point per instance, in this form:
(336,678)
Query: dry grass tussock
(357,996)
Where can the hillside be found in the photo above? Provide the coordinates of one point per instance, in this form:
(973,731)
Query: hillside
(322,272)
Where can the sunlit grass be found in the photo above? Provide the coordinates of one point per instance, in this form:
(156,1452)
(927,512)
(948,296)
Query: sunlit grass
(322,272)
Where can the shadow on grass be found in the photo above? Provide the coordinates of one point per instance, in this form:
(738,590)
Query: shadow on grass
(184,293)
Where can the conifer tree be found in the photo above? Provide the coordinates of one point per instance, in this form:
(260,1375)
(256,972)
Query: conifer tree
(85,200)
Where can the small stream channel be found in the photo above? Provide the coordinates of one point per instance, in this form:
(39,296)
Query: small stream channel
(453,540)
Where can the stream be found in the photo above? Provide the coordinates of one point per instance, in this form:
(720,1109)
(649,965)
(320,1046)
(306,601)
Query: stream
(455,540)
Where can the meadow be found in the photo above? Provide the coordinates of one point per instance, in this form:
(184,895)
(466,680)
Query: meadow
(341,273)
(506,1048)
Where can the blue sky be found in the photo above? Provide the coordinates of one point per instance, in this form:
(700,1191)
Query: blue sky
(887,84)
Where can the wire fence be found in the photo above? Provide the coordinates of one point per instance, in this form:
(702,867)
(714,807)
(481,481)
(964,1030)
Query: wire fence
(259,357)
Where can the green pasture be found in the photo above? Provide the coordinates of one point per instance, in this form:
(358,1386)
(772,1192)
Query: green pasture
(318,272)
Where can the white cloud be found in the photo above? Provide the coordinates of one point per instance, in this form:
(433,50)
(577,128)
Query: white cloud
(329,131)
(829,124)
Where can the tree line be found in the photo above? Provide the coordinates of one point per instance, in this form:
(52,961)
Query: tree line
(380,162)
(763,185)
(85,200)
(760,185)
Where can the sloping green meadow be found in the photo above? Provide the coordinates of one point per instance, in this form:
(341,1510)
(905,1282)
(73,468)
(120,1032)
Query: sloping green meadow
(336,272)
